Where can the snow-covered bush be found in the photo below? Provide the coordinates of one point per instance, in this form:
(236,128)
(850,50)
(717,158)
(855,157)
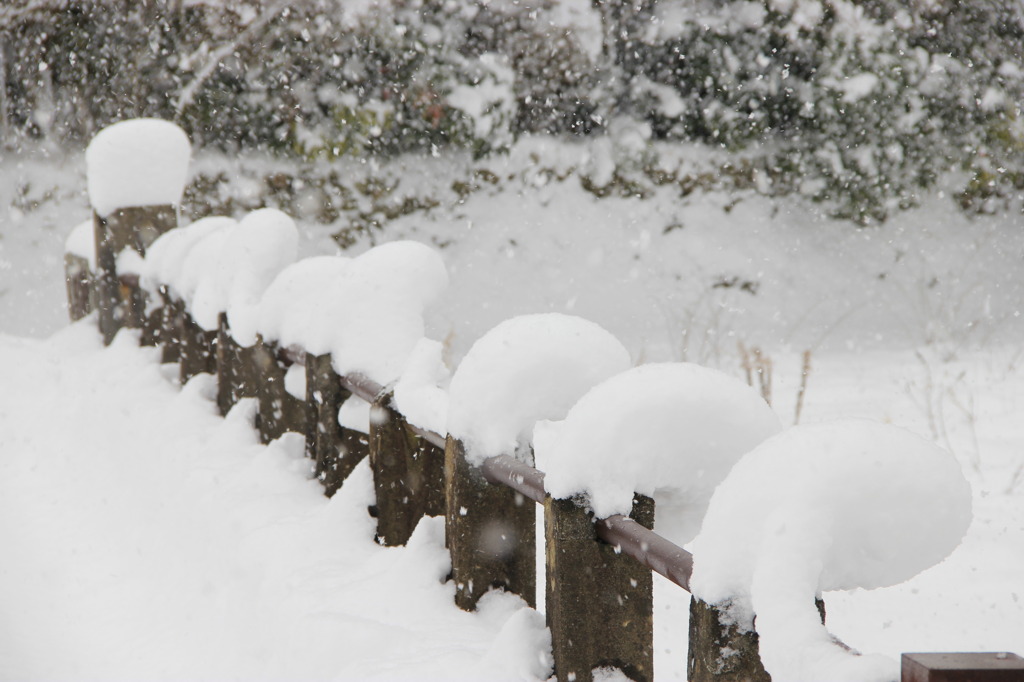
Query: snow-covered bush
(69,69)
(839,506)
(857,104)
(424,75)
(315,77)
(671,431)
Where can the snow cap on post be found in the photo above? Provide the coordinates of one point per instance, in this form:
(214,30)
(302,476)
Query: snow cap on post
(81,242)
(138,162)
(200,255)
(366,311)
(166,257)
(247,258)
(293,310)
(838,506)
(523,370)
(671,431)
(405,266)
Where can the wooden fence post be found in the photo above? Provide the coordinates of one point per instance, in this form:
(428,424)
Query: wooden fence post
(227,366)
(153,318)
(196,350)
(719,651)
(172,327)
(335,449)
(279,411)
(120,302)
(236,369)
(408,474)
(78,278)
(599,602)
(491,533)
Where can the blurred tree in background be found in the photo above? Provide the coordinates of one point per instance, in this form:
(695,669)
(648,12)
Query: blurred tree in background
(860,104)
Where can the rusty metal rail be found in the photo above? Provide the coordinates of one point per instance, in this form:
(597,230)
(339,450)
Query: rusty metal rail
(627,536)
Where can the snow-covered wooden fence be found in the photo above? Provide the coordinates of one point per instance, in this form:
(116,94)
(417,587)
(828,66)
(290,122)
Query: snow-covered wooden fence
(598,591)
(598,596)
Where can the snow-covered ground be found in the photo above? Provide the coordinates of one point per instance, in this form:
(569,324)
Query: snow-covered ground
(145,536)
(521,234)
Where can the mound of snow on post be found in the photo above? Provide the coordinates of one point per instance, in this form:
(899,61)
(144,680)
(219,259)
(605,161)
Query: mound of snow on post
(526,369)
(851,504)
(367,312)
(293,310)
(420,394)
(81,242)
(251,255)
(139,162)
(668,430)
(201,256)
(165,257)
(129,262)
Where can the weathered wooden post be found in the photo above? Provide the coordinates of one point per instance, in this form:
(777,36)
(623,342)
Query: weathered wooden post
(227,366)
(507,378)
(136,176)
(236,368)
(120,300)
(408,474)
(599,602)
(172,327)
(79,255)
(721,651)
(491,532)
(335,449)
(154,312)
(197,349)
(279,411)
(78,278)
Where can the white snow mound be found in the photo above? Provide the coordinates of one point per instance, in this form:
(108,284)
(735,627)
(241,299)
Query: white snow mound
(201,255)
(838,506)
(250,256)
(668,430)
(420,394)
(380,308)
(293,308)
(129,262)
(166,256)
(81,242)
(407,267)
(367,311)
(138,162)
(523,370)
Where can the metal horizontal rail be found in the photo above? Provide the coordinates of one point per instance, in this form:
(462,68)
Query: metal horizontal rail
(629,537)
(626,535)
